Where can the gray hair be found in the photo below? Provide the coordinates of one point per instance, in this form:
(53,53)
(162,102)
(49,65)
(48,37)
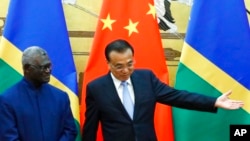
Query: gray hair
(30,53)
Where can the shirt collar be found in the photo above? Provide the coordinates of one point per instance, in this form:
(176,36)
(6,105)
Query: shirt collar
(118,82)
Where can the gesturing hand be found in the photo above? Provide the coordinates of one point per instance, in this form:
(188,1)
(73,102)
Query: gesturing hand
(224,102)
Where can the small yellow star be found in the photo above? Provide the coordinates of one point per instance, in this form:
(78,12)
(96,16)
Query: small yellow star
(152,10)
(107,23)
(132,27)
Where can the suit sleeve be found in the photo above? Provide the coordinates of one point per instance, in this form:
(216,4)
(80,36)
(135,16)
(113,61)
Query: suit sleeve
(181,98)
(8,128)
(90,125)
(70,130)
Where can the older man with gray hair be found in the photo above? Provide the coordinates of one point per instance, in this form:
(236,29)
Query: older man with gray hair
(32,109)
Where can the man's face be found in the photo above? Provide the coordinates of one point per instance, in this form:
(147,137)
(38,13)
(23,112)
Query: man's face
(121,64)
(38,72)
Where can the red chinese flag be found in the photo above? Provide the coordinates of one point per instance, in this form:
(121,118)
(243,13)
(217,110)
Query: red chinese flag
(136,22)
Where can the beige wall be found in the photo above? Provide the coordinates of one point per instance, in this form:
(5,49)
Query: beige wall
(84,18)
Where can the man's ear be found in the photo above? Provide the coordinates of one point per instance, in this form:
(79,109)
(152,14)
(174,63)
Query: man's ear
(108,64)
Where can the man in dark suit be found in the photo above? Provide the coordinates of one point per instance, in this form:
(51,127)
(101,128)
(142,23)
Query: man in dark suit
(32,109)
(104,99)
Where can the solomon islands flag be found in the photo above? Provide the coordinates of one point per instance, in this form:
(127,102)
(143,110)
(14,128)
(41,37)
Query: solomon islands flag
(215,58)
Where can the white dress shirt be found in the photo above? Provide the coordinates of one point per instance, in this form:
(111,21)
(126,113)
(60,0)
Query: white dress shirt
(119,88)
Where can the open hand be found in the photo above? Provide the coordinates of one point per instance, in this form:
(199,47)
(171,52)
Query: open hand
(224,102)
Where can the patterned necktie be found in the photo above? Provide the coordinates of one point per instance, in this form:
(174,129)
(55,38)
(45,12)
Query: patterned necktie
(127,101)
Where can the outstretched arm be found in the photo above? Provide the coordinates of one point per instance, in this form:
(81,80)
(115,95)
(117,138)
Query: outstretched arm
(224,102)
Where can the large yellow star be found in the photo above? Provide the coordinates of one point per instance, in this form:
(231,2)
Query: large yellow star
(152,10)
(131,27)
(107,23)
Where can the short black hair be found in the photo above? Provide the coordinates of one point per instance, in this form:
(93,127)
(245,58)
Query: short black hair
(118,45)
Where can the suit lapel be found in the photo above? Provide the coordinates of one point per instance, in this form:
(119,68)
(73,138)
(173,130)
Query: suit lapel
(112,95)
(137,86)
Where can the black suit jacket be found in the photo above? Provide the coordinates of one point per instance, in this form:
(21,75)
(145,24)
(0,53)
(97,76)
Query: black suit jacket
(103,104)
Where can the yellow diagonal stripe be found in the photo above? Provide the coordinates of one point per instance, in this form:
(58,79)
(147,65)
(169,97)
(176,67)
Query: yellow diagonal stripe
(11,55)
(214,75)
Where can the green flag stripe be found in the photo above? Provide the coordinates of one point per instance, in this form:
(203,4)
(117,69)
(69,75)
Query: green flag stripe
(215,76)
(188,75)
(78,138)
(199,129)
(8,75)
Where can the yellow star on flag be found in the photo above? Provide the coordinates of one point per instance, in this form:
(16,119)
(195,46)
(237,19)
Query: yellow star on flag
(132,27)
(107,23)
(152,10)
